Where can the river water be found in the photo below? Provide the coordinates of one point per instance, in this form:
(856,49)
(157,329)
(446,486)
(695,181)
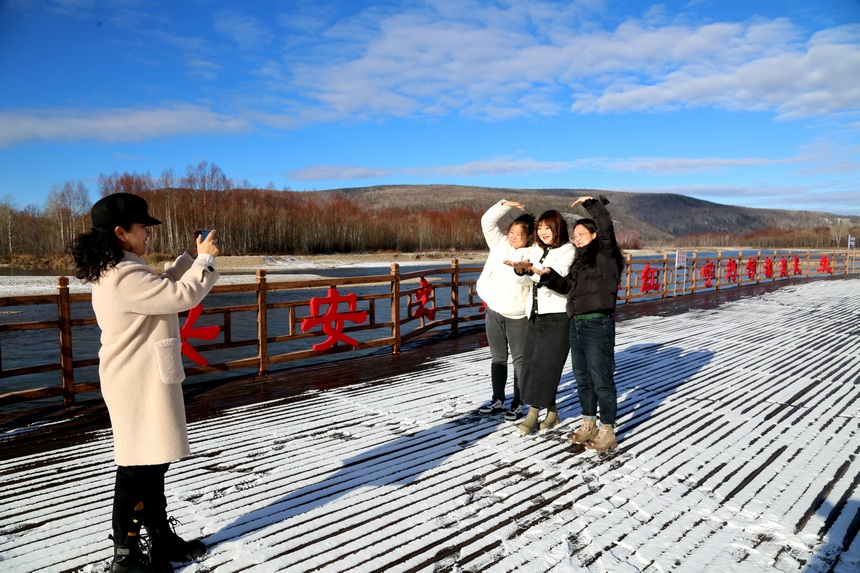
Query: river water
(33,347)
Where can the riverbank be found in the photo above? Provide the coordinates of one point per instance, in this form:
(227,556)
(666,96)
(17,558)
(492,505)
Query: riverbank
(243,269)
(234,264)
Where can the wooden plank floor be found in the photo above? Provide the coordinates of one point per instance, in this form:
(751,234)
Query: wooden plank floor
(738,424)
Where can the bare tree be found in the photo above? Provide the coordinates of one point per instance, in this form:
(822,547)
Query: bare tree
(66,204)
(125,183)
(839,233)
(8,209)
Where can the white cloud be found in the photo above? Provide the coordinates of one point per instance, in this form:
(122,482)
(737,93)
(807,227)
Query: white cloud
(486,63)
(246,31)
(516,166)
(677,165)
(487,167)
(835,197)
(112,124)
(337,173)
(817,82)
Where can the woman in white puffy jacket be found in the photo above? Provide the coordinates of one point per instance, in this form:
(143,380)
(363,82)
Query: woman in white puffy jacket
(547,330)
(505,299)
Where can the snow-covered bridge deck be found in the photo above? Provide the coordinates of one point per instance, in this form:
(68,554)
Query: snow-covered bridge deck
(739,443)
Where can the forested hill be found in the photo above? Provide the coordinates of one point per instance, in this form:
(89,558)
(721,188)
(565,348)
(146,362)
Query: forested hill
(656,217)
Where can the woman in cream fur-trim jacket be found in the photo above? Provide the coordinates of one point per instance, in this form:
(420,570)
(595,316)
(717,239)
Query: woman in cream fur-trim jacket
(141,370)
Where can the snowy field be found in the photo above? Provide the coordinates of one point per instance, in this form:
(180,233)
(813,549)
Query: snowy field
(739,444)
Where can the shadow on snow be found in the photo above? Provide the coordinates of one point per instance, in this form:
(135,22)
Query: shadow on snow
(404,459)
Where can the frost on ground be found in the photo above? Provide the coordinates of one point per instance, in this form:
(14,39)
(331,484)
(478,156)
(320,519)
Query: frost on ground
(739,441)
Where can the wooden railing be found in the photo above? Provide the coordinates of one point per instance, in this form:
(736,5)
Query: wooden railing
(261,325)
(692,272)
(267,323)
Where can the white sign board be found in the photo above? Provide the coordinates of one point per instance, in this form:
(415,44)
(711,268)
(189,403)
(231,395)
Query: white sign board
(680,259)
(852,242)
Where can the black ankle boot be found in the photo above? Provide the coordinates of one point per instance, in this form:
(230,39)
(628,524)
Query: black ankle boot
(127,556)
(165,545)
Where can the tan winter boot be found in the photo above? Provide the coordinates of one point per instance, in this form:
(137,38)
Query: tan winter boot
(529,425)
(587,430)
(605,439)
(551,420)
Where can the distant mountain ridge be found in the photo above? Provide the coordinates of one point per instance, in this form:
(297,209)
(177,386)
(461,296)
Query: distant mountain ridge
(657,217)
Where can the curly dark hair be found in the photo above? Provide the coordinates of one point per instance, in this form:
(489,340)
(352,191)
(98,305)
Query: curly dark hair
(94,253)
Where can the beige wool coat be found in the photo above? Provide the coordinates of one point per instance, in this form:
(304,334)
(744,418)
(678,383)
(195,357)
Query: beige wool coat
(140,364)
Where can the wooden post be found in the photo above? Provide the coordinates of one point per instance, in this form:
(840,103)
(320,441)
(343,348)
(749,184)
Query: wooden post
(694,273)
(719,269)
(262,325)
(395,307)
(629,278)
(664,291)
(64,312)
(773,267)
(455,296)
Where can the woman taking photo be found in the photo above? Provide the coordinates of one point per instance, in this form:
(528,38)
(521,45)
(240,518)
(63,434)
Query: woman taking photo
(592,291)
(547,330)
(505,299)
(140,369)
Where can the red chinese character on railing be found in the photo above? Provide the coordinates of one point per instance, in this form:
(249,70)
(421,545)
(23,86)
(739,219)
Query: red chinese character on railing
(188,330)
(732,270)
(752,265)
(768,267)
(332,321)
(708,273)
(422,297)
(783,267)
(483,308)
(824,266)
(797,270)
(649,279)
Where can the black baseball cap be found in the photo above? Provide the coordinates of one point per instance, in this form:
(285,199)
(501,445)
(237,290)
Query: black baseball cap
(121,209)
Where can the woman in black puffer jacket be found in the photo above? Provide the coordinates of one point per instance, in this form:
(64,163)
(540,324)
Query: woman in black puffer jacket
(592,291)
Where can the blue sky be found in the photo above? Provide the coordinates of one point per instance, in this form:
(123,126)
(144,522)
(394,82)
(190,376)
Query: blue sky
(753,103)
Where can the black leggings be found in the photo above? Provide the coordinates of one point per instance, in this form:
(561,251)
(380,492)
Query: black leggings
(135,484)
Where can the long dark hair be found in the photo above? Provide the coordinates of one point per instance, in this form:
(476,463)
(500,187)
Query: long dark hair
(587,255)
(94,253)
(555,221)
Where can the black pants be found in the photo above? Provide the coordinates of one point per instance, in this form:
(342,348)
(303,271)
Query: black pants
(547,345)
(136,484)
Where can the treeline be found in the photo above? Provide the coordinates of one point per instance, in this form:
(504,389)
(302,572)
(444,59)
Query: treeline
(835,237)
(259,221)
(276,222)
(249,221)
